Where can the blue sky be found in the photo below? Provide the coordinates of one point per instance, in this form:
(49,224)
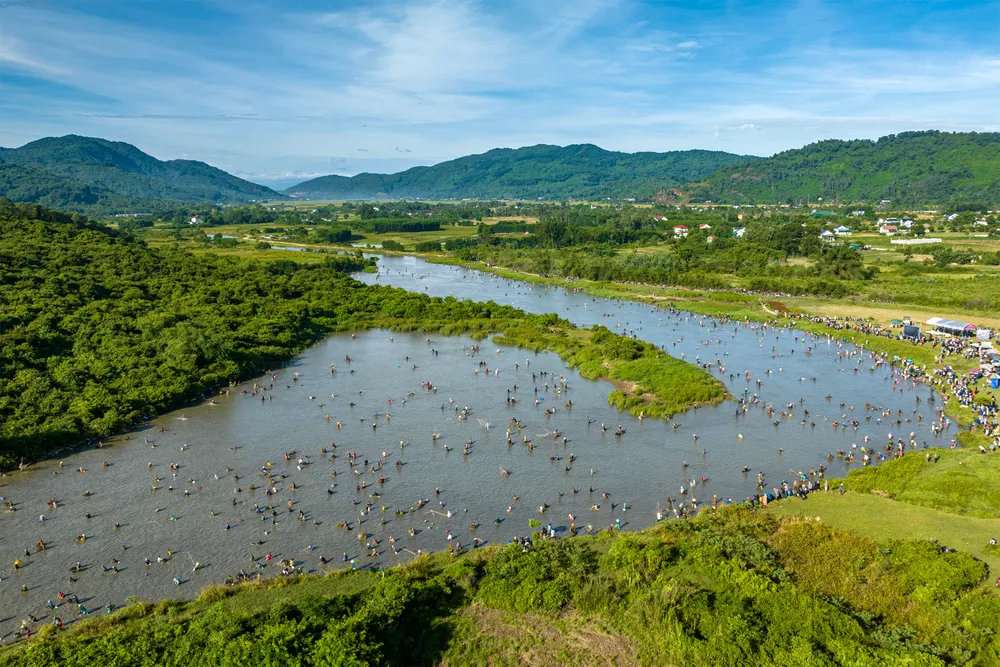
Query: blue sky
(281,91)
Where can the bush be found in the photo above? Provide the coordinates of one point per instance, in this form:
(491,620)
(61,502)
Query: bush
(428,246)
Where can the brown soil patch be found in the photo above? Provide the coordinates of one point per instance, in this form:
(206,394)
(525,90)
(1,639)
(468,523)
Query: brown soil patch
(539,641)
(628,387)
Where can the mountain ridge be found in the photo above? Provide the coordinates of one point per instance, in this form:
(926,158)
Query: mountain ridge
(907,168)
(77,172)
(541,171)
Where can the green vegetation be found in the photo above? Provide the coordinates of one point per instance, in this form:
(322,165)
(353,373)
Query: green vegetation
(909,168)
(649,381)
(958,170)
(546,172)
(28,184)
(87,174)
(740,587)
(880,518)
(962,481)
(952,500)
(98,331)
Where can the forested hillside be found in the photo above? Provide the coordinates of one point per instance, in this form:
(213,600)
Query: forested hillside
(30,184)
(75,172)
(910,168)
(546,172)
(98,331)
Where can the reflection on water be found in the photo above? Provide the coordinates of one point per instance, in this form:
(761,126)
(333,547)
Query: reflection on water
(213,508)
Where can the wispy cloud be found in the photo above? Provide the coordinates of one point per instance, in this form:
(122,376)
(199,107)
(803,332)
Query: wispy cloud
(273,90)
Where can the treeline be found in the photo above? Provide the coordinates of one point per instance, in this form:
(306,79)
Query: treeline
(714,257)
(735,588)
(533,172)
(395,226)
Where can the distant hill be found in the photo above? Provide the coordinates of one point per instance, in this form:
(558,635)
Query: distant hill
(909,168)
(542,171)
(79,173)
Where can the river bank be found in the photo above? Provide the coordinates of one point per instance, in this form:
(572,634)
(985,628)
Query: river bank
(750,308)
(578,600)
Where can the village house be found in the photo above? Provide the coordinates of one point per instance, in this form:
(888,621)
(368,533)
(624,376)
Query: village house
(680,230)
(842,231)
(888,230)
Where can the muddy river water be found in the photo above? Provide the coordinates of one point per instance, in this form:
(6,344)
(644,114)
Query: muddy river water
(191,483)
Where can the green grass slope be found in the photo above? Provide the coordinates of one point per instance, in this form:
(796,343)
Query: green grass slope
(542,171)
(963,481)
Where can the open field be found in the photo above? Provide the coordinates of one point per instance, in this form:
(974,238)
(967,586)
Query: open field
(955,501)
(409,239)
(882,519)
(882,313)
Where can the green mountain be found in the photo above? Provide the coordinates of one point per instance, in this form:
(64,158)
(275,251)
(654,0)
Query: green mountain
(30,184)
(909,168)
(542,171)
(76,172)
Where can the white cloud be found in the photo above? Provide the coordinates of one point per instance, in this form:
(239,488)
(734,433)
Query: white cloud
(444,78)
(12,53)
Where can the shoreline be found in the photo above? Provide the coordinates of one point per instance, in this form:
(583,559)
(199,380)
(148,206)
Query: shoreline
(872,343)
(576,351)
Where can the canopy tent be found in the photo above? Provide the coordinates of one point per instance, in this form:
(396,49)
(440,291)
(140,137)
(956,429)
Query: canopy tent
(952,326)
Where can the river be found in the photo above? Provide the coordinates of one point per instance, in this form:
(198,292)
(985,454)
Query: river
(211,516)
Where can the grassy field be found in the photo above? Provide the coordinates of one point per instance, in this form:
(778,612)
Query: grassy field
(955,501)
(881,518)
(963,481)
(251,234)
(409,239)
(882,313)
